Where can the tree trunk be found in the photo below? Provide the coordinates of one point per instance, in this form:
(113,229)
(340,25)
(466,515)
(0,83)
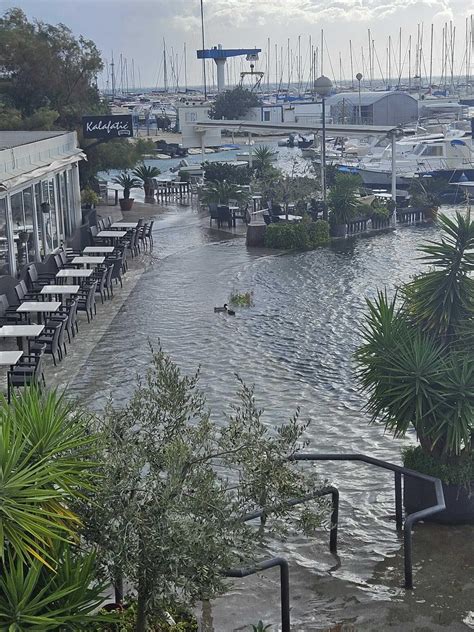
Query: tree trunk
(142,593)
(118,587)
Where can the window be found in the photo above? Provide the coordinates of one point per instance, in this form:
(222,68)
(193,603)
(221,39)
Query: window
(433,150)
(52,235)
(23,233)
(266,115)
(4,247)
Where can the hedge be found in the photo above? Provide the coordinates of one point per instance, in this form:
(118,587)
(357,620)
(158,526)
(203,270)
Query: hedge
(302,236)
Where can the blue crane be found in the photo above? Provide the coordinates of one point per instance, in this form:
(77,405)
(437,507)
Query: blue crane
(220,55)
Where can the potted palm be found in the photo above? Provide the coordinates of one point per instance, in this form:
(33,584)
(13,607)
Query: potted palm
(342,203)
(417,364)
(127,182)
(146,174)
(221,192)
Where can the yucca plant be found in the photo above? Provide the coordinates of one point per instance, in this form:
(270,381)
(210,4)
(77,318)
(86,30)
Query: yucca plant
(34,598)
(44,464)
(342,199)
(146,174)
(417,357)
(262,158)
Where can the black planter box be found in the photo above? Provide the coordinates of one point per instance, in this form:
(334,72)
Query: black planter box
(419,494)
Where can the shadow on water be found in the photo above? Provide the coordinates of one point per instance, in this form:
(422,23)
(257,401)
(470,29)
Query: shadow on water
(296,344)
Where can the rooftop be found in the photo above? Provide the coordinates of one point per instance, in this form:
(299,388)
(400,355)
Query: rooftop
(366,98)
(9,139)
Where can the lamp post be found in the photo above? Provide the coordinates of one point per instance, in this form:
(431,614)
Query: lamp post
(323,87)
(359,77)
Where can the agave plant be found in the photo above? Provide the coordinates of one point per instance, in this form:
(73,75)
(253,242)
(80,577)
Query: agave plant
(417,360)
(146,174)
(127,182)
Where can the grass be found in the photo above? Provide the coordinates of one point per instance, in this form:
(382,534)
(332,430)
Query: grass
(241,299)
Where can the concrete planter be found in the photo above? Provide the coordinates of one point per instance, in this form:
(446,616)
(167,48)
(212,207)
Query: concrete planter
(419,494)
(126,204)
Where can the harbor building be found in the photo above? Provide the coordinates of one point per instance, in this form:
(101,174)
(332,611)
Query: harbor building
(40,202)
(373,108)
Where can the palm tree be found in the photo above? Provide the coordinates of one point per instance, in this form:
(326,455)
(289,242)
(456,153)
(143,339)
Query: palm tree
(342,200)
(221,192)
(127,182)
(417,360)
(146,174)
(262,159)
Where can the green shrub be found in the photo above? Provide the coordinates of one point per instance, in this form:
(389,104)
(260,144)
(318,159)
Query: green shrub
(303,236)
(220,171)
(459,472)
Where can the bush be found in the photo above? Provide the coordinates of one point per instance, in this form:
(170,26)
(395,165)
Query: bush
(302,236)
(233,174)
(459,472)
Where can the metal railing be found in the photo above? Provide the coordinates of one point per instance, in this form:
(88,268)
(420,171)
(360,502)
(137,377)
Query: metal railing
(399,471)
(406,525)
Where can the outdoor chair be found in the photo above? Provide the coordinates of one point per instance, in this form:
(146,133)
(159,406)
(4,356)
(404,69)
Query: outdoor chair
(117,269)
(224,215)
(141,236)
(28,371)
(149,233)
(23,294)
(86,301)
(101,225)
(101,277)
(36,281)
(70,311)
(213,213)
(108,280)
(8,314)
(107,222)
(50,338)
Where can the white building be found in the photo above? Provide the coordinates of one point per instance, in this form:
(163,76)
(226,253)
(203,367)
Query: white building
(40,202)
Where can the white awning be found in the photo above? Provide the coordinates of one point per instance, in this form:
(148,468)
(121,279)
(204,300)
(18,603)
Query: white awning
(14,180)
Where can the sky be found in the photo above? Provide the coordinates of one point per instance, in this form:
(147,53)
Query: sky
(136,29)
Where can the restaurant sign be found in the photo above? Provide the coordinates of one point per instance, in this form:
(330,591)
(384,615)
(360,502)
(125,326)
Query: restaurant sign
(119,126)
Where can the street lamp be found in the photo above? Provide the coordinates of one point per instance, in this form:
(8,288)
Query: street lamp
(323,87)
(359,77)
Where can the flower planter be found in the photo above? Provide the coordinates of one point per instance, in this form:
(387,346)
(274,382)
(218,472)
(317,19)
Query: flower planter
(126,204)
(419,494)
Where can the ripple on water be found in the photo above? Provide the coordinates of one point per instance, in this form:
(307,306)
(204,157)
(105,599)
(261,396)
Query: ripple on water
(296,345)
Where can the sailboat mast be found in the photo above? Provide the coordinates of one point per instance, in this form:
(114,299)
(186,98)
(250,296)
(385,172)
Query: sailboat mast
(352,64)
(185,70)
(165,69)
(321,52)
(203,48)
(431,56)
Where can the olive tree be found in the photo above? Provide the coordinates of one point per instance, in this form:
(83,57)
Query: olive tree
(169,516)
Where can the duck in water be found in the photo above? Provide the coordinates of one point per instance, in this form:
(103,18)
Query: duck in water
(224,309)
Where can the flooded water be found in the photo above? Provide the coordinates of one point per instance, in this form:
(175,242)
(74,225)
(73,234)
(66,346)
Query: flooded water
(296,344)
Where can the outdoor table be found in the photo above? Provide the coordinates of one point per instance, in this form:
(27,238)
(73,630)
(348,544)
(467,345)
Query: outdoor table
(124,225)
(111,234)
(58,290)
(74,273)
(9,358)
(21,333)
(39,308)
(96,250)
(87,260)
(290,218)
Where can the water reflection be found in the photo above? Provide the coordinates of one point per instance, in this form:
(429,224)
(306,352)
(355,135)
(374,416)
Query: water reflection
(296,345)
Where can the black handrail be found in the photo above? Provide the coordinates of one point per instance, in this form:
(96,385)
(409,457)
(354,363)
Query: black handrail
(329,490)
(400,471)
(284,584)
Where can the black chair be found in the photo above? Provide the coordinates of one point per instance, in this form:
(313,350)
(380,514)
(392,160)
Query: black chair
(224,215)
(149,233)
(8,314)
(70,311)
(101,277)
(86,301)
(117,268)
(28,371)
(213,213)
(108,280)
(50,338)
